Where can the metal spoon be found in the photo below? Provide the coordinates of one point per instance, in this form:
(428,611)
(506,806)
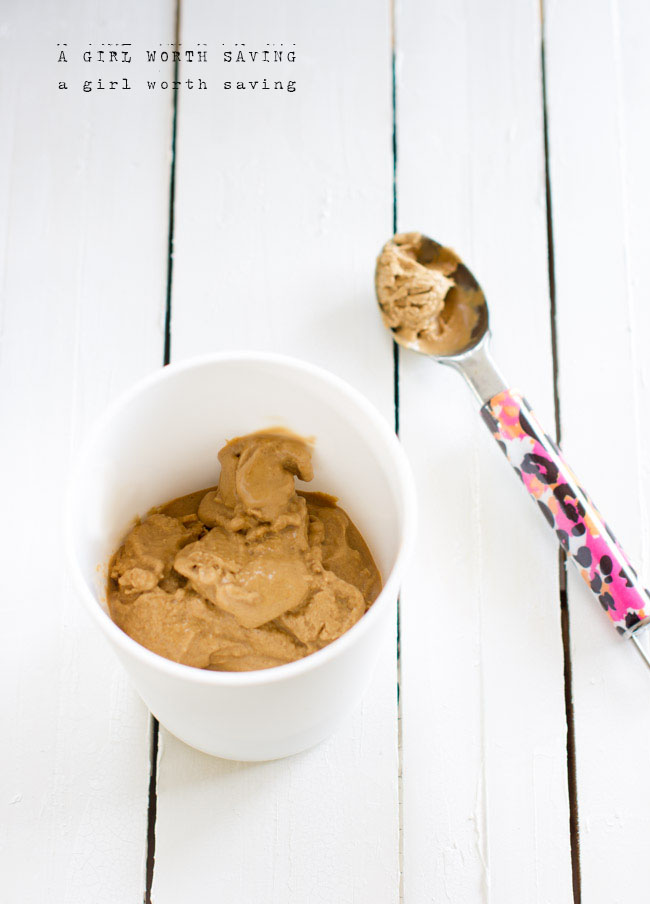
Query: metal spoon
(435,306)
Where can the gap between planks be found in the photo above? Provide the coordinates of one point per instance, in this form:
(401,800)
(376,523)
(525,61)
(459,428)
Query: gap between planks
(572,781)
(155,725)
(400,783)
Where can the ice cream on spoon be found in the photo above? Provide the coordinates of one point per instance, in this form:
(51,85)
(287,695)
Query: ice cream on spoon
(428,297)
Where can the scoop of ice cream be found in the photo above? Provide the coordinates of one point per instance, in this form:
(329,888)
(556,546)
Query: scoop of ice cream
(257,473)
(427,298)
(148,553)
(248,575)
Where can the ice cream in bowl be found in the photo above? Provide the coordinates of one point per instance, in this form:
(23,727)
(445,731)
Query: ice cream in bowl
(237,527)
(247,575)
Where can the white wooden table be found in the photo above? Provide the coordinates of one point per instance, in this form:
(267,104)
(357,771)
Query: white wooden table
(511,766)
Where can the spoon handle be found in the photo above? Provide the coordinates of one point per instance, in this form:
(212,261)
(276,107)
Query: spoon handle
(582,532)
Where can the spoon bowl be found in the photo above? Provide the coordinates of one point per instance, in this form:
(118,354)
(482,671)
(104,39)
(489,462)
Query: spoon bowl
(429,299)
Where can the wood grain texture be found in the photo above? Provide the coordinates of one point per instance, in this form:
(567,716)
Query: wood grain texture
(483,721)
(282,200)
(82,263)
(598,135)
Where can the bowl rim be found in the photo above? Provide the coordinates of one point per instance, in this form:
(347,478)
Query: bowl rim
(192,674)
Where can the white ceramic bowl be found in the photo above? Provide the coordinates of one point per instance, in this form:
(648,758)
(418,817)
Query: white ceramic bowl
(159,441)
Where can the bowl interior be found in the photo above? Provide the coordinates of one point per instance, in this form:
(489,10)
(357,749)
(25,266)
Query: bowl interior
(162,439)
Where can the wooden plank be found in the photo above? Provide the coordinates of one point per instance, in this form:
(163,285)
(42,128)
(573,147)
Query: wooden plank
(600,187)
(282,200)
(484,761)
(83,225)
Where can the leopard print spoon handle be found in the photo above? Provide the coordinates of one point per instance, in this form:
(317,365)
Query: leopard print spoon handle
(583,534)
